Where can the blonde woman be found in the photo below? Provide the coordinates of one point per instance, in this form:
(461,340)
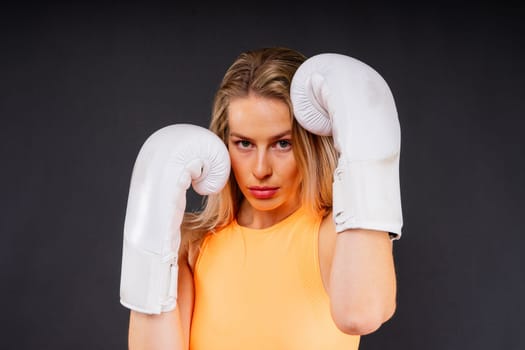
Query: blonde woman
(278,259)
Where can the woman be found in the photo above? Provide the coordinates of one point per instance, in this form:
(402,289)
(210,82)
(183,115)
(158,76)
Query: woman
(262,265)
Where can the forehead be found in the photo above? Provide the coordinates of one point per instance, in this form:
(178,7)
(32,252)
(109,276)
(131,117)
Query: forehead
(255,115)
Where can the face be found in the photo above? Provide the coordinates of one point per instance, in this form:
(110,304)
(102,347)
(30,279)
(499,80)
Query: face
(260,147)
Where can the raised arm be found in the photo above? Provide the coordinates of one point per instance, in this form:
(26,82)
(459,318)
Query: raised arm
(362,281)
(338,95)
(168,330)
(155,284)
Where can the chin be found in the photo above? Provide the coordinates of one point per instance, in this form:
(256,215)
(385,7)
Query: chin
(265,204)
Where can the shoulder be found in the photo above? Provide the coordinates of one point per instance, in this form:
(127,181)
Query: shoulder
(191,240)
(327,228)
(327,237)
(327,224)
(326,242)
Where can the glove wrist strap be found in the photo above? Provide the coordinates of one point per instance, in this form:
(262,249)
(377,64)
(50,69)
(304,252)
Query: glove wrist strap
(366,195)
(149,281)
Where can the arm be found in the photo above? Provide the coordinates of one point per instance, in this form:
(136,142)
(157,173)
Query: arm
(362,281)
(340,96)
(156,280)
(163,331)
(169,330)
(358,273)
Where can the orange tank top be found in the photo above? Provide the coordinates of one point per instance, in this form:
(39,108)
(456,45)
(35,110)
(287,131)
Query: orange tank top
(262,289)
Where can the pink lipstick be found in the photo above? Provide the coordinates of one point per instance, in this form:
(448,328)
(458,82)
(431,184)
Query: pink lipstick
(263,192)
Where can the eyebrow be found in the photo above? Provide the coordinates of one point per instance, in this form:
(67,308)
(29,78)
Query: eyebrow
(275,137)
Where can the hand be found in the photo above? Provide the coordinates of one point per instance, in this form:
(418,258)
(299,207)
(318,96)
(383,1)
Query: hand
(170,160)
(338,95)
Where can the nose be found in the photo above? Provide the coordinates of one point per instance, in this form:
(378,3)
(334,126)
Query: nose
(262,167)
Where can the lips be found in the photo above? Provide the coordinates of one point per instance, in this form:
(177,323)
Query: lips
(263,192)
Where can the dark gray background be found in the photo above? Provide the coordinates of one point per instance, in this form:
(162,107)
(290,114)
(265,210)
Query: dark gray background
(82,87)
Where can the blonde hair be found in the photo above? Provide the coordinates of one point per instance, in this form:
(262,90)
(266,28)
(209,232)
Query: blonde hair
(267,72)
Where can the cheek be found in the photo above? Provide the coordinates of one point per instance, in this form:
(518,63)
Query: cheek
(236,164)
(290,169)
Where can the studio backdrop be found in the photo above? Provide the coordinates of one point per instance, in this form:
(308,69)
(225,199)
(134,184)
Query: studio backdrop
(82,87)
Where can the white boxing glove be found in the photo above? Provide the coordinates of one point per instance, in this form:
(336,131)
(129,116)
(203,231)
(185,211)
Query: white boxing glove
(169,161)
(334,94)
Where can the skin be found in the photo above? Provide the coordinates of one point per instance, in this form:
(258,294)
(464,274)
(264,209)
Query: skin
(356,265)
(261,154)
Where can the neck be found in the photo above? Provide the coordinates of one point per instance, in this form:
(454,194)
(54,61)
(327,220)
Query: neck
(251,217)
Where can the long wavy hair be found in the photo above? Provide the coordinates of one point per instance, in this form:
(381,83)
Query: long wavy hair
(267,73)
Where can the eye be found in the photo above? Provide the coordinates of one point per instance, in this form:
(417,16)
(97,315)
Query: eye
(243,144)
(283,145)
